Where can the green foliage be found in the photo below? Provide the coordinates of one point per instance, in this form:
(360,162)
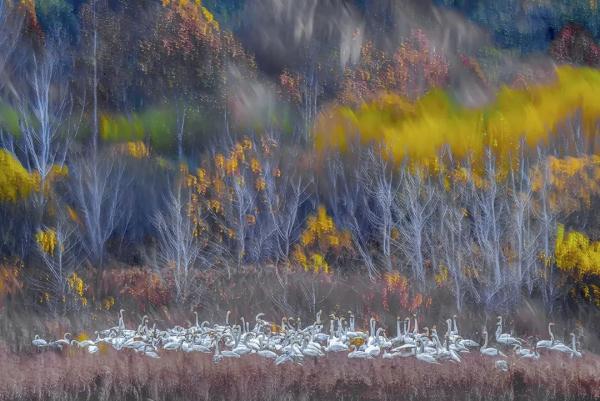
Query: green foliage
(160,125)
(9,119)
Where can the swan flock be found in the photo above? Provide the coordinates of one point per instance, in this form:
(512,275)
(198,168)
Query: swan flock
(289,342)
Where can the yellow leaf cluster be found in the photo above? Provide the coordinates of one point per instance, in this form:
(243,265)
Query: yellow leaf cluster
(73,215)
(572,181)
(138,149)
(108,303)
(320,238)
(314,262)
(15,181)
(46,240)
(77,286)
(56,173)
(394,280)
(575,253)
(418,130)
(441,277)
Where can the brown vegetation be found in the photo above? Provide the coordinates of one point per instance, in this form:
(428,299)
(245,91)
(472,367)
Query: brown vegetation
(177,376)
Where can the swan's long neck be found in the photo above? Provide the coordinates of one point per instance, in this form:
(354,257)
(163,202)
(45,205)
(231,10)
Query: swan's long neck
(416,329)
(573,343)
(217,352)
(398,332)
(550,332)
(438,345)
(455,325)
(449,323)
(499,327)
(485,338)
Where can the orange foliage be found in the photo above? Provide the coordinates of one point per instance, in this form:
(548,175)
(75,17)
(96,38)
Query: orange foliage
(10,279)
(396,288)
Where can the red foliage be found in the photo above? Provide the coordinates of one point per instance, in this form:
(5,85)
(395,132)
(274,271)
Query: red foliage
(142,286)
(575,45)
(412,70)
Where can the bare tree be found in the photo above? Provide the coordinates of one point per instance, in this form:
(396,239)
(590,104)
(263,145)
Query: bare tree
(177,247)
(10,31)
(547,219)
(416,204)
(98,188)
(378,181)
(283,202)
(525,235)
(58,264)
(350,203)
(454,231)
(43,109)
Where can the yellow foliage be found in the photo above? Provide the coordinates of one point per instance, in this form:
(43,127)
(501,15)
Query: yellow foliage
(15,181)
(318,239)
(46,240)
(572,181)
(55,173)
(418,130)
(441,277)
(108,303)
(261,184)
(255,166)
(76,284)
(318,263)
(576,254)
(394,279)
(138,149)
(219,162)
(73,215)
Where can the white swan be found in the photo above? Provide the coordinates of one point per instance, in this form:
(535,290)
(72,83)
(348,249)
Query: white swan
(547,343)
(421,355)
(489,351)
(39,342)
(574,352)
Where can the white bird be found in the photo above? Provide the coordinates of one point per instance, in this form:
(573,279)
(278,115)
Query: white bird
(505,338)
(489,351)
(560,347)
(267,353)
(39,342)
(502,365)
(358,354)
(421,355)
(526,352)
(574,352)
(547,343)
